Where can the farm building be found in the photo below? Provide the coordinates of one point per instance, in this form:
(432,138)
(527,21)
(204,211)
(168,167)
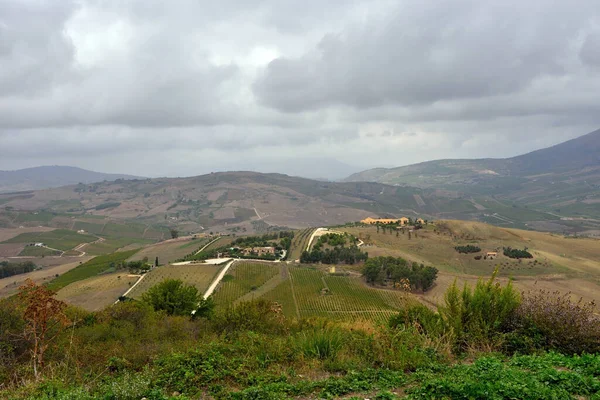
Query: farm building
(260,251)
(420,221)
(385,221)
(491,254)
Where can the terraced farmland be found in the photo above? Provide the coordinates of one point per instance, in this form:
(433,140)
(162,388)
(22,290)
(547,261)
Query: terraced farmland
(299,243)
(97,292)
(246,277)
(198,275)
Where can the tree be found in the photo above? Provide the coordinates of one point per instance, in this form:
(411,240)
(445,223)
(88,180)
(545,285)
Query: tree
(173,296)
(44,318)
(156,262)
(174,233)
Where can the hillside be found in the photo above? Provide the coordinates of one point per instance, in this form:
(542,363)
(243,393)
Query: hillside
(228,201)
(563,180)
(50,177)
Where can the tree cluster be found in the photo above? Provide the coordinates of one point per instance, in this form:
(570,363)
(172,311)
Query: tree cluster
(517,253)
(382,270)
(336,255)
(467,249)
(9,269)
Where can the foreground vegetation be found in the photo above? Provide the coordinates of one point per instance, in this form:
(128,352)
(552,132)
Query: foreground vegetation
(484,342)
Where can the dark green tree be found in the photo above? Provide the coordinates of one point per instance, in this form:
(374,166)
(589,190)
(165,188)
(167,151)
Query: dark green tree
(173,296)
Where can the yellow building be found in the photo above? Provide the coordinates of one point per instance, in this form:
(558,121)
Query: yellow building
(385,221)
(421,221)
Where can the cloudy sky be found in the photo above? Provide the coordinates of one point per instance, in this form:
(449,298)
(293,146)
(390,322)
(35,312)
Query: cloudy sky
(310,87)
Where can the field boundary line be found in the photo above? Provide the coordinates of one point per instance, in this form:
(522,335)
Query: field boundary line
(218,280)
(208,244)
(131,288)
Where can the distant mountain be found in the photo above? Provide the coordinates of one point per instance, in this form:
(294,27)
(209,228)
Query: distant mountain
(574,156)
(562,179)
(50,177)
(327,169)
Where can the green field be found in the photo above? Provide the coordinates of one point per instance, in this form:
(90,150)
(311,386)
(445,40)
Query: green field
(38,216)
(346,298)
(35,251)
(245,278)
(111,245)
(299,290)
(61,239)
(200,276)
(90,269)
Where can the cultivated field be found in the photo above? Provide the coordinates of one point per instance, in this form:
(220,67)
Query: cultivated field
(169,251)
(559,263)
(309,292)
(243,281)
(299,243)
(61,239)
(10,285)
(98,292)
(198,275)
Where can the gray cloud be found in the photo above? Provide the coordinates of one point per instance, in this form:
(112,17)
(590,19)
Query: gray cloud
(188,87)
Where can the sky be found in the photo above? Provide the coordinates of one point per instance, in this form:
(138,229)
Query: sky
(305,87)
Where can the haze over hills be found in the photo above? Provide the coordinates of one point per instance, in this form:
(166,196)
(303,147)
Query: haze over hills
(51,176)
(562,179)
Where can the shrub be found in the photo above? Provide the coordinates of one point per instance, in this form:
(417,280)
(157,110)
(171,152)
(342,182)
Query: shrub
(477,317)
(546,320)
(516,253)
(467,249)
(321,343)
(257,315)
(173,296)
(425,320)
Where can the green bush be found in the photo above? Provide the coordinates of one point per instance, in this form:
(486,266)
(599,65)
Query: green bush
(322,343)
(516,253)
(467,249)
(424,319)
(477,317)
(173,296)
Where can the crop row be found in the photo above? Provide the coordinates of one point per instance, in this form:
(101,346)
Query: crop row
(318,293)
(245,278)
(200,276)
(299,243)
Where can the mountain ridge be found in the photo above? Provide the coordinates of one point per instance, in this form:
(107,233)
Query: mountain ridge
(51,176)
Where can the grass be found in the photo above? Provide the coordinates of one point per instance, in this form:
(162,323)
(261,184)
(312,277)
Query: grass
(89,269)
(61,239)
(200,276)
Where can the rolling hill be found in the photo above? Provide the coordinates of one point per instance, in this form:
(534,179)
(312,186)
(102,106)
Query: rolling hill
(563,180)
(50,177)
